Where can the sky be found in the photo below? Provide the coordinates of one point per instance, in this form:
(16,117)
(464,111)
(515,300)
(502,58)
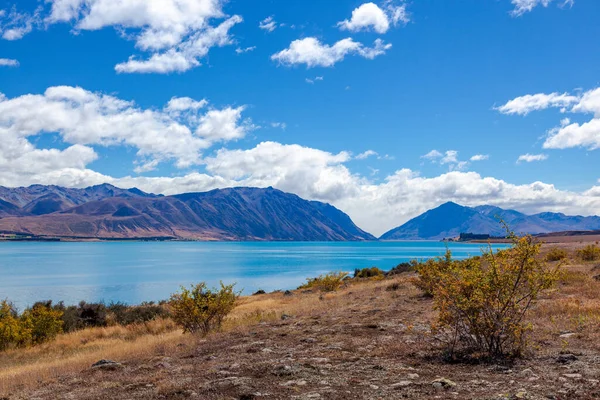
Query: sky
(384,109)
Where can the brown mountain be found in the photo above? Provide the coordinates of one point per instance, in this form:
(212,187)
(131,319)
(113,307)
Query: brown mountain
(107,212)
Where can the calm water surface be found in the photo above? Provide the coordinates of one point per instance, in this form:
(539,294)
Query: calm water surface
(133,272)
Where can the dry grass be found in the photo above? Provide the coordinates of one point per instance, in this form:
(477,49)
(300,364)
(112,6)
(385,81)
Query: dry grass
(73,352)
(379,321)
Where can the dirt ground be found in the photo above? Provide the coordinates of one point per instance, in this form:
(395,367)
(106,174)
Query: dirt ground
(367,341)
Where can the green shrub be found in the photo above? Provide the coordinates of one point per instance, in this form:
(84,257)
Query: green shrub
(481,301)
(122,314)
(327,283)
(202,310)
(84,315)
(556,254)
(589,253)
(403,268)
(43,321)
(372,272)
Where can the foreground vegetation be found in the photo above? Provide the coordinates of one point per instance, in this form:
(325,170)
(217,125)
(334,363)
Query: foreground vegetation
(366,336)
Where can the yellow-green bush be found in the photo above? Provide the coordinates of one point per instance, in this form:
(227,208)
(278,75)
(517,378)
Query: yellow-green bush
(327,283)
(372,272)
(12,331)
(556,254)
(589,253)
(200,309)
(43,321)
(482,301)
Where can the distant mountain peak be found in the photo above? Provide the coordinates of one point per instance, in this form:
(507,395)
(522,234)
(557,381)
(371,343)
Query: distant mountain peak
(450,220)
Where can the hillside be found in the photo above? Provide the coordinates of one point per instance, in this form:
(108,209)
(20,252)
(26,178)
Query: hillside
(107,212)
(451,219)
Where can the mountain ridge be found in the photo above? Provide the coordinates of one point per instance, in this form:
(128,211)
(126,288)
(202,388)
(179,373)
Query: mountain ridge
(449,220)
(108,212)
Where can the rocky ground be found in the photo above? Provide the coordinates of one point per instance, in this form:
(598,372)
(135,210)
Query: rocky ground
(368,341)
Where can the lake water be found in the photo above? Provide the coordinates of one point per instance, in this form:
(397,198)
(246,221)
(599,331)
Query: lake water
(133,272)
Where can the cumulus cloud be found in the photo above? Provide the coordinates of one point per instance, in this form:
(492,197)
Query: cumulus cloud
(449,158)
(83,118)
(433,155)
(567,134)
(8,62)
(268,24)
(369,16)
(186,54)
(177,34)
(525,6)
(366,154)
(523,105)
(480,157)
(531,158)
(313,53)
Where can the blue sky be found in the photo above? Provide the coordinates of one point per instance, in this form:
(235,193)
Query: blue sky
(297,103)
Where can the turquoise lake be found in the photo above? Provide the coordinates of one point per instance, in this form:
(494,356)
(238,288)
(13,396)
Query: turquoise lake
(133,272)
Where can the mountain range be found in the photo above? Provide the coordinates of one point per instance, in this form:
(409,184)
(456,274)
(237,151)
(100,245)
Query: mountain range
(108,212)
(450,220)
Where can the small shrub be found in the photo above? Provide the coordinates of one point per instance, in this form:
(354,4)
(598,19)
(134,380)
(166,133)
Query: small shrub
(481,301)
(556,254)
(327,283)
(403,268)
(202,310)
(372,272)
(84,315)
(12,331)
(122,314)
(589,253)
(43,321)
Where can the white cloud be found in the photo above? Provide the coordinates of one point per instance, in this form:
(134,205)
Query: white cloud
(525,104)
(179,104)
(575,135)
(433,155)
(313,53)
(7,62)
(186,54)
(84,118)
(366,154)
(280,125)
(313,80)
(268,24)
(480,157)
(240,50)
(15,25)
(449,158)
(531,158)
(175,33)
(369,16)
(568,134)
(525,6)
